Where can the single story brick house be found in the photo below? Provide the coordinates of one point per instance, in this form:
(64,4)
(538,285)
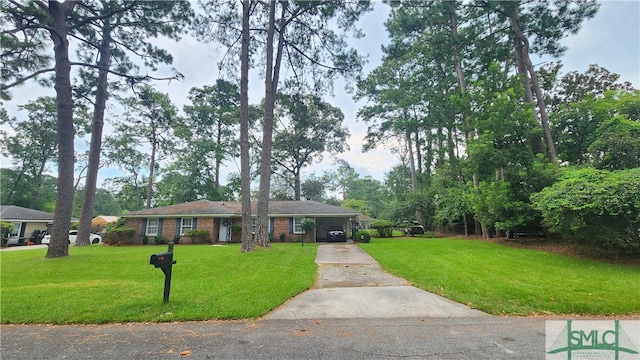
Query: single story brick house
(223,218)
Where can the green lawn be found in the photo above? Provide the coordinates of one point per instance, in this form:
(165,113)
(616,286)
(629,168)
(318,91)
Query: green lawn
(503,280)
(106,284)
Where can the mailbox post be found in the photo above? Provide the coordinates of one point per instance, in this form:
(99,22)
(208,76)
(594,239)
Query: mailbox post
(165,262)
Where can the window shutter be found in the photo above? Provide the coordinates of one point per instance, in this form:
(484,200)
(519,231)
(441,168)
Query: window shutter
(178,225)
(159,226)
(290,225)
(194,225)
(143,231)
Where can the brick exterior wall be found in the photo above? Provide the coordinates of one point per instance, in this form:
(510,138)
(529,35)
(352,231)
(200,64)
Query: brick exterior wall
(280,225)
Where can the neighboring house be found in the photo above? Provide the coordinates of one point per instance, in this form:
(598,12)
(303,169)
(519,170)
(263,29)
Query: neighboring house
(26,223)
(99,222)
(223,218)
(365,221)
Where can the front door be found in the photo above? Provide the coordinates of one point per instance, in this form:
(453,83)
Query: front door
(225,231)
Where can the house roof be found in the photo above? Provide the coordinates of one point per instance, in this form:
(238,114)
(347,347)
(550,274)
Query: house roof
(18,213)
(206,208)
(365,218)
(103,220)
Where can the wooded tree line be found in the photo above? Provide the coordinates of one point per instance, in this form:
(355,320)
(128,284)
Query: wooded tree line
(480,131)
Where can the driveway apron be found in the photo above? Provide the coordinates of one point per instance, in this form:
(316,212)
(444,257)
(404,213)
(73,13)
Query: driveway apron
(351,284)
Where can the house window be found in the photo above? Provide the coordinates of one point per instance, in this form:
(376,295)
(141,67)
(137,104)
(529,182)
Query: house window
(16,229)
(297,225)
(186,225)
(152,227)
(254,222)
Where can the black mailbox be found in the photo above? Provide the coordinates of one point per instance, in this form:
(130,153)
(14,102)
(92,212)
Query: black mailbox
(162,259)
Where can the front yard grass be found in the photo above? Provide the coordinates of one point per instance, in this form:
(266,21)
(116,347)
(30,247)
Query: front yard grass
(110,284)
(502,280)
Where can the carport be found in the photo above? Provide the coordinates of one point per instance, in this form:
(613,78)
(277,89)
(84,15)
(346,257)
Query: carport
(323,223)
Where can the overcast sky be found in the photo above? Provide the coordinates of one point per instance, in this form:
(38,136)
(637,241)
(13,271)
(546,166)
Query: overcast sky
(611,39)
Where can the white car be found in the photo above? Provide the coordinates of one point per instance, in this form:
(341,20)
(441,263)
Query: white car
(93,238)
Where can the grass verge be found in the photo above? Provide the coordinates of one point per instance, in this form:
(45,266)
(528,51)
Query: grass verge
(507,281)
(109,284)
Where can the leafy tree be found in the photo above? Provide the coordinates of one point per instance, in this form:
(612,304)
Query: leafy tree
(549,22)
(106,204)
(309,127)
(31,145)
(341,179)
(577,125)
(114,31)
(357,205)
(129,189)
(22,187)
(313,188)
(150,119)
(618,145)
(212,115)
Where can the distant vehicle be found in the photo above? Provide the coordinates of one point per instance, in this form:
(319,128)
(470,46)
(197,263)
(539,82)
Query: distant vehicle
(93,238)
(414,229)
(336,233)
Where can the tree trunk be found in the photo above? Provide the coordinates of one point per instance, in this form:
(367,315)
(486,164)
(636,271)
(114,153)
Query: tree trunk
(37,186)
(484,228)
(218,159)
(152,166)
(245,165)
(89,198)
(536,144)
(59,30)
(271,88)
(514,20)
(296,185)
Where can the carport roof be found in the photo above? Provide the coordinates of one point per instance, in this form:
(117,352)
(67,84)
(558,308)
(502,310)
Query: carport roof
(206,208)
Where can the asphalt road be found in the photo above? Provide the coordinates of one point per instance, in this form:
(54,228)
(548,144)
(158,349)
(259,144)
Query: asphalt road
(382,338)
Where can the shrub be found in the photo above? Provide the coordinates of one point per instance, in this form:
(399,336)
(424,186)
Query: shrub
(160,240)
(363,236)
(198,236)
(384,228)
(282,237)
(119,236)
(595,207)
(114,225)
(145,240)
(7,228)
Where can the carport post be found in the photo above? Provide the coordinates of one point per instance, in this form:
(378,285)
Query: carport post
(354,221)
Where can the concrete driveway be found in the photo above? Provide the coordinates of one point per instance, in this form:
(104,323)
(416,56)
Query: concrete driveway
(351,284)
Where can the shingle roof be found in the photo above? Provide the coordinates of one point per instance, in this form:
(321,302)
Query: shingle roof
(13,212)
(198,207)
(206,208)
